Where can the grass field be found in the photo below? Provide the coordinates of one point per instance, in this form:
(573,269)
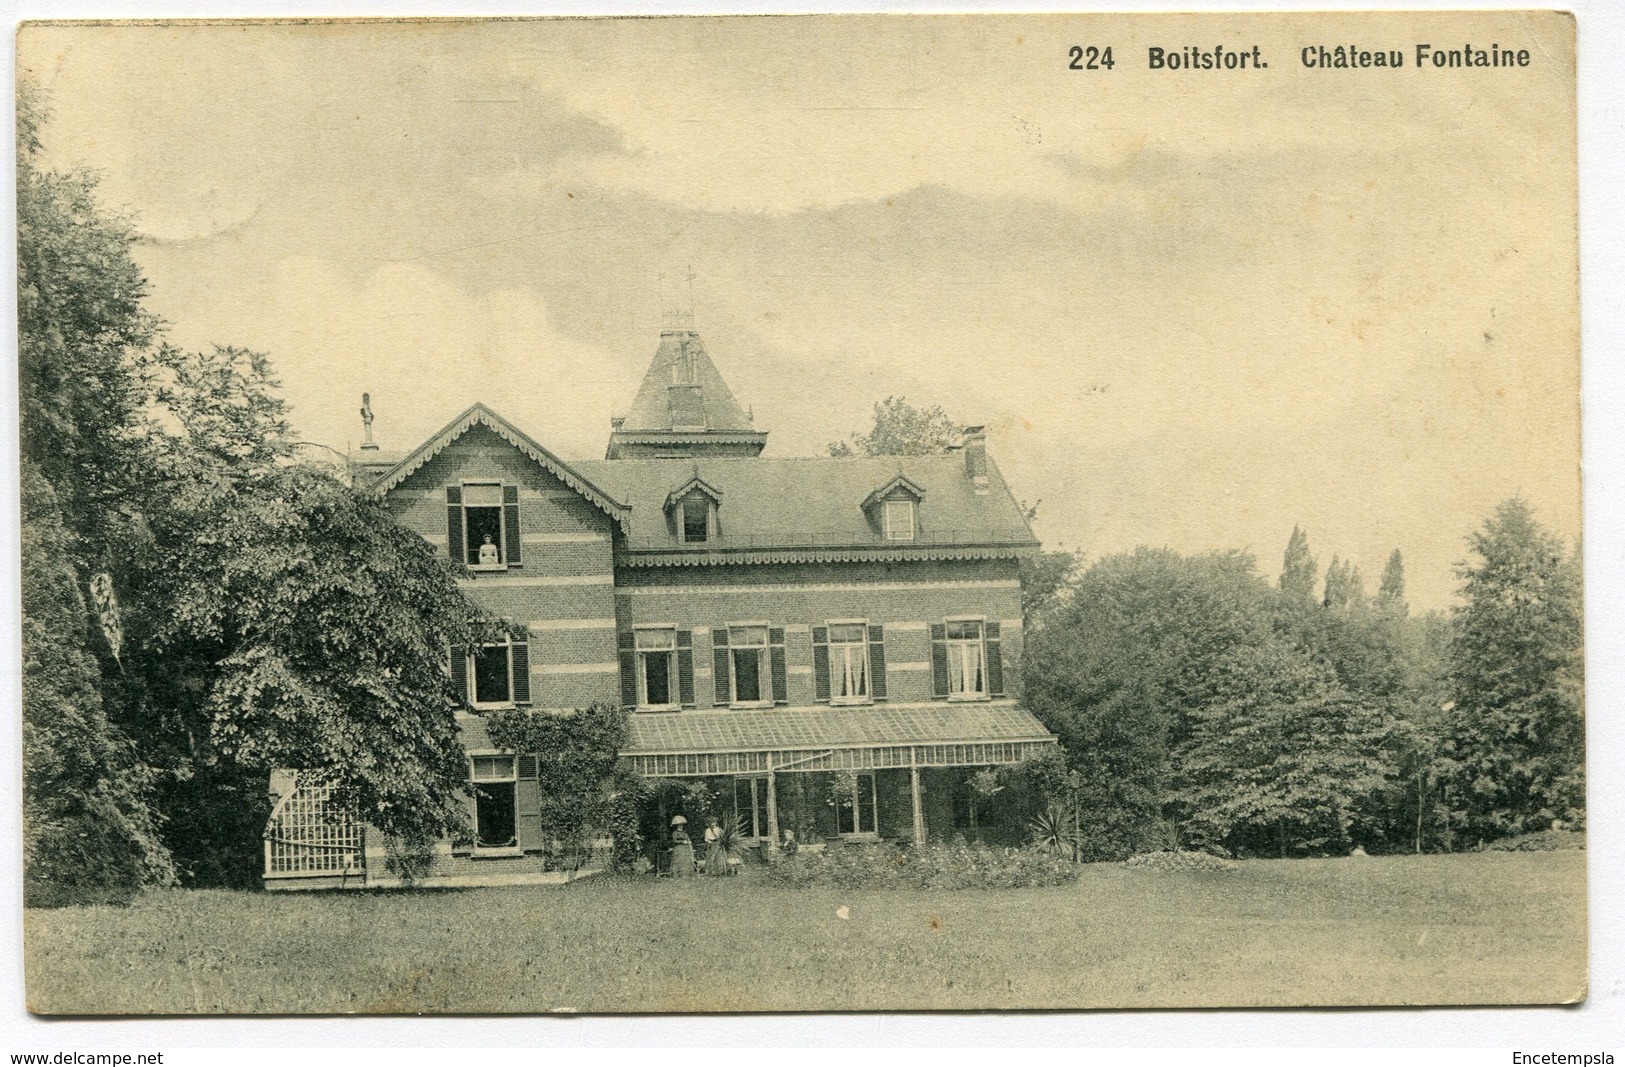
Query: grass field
(1481,928)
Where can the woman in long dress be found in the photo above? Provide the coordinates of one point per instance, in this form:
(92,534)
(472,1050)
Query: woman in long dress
(716,856)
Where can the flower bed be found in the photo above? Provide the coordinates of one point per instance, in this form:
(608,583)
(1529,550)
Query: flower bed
(886,866)
(1179,861)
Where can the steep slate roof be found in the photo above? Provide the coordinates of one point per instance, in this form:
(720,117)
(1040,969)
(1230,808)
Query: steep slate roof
(651,407)
(812,504)
(480,415)
(830,727)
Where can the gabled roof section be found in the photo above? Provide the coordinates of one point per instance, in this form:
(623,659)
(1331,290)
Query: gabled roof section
(693,485)
(903,482)
(681,360)
(480,415)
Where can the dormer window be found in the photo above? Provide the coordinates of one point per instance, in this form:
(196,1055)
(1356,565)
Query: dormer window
(894,509)
(696,518)
(899,516)
(691,509)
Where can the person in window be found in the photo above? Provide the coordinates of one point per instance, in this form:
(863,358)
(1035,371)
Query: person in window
(488,553)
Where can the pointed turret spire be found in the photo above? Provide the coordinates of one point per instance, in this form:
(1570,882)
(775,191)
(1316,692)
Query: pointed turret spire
(683,407)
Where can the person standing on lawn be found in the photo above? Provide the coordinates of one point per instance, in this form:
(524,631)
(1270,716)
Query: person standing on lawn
(716,856)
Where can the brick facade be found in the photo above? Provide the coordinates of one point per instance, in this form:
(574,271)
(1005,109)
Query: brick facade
(585,556)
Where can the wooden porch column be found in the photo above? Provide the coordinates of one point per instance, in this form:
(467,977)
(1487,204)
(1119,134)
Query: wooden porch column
(772,807)
(914,790)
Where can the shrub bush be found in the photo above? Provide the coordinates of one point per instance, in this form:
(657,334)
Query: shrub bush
(1540,841)
(887,866)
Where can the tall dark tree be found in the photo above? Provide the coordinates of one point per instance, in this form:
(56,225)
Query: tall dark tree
(1299,570)
(251,612)
(1391,592)
(90,831)
(1517,729)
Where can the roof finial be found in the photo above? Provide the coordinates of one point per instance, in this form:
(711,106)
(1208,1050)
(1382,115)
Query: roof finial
(366,423)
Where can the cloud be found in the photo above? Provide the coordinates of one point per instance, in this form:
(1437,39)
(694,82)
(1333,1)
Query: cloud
(425,349)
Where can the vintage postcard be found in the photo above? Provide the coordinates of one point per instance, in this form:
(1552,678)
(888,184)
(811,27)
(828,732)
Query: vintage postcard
(801,513)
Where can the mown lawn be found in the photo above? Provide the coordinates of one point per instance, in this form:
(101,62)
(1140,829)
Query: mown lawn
(1481,928)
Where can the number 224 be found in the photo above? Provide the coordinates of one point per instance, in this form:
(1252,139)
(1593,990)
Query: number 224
(1090,58)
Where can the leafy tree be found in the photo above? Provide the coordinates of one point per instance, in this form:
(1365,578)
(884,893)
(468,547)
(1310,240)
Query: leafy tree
(1122,666)
(81,335)
(271,615)
(901,429)
(1285,761)
(89,832)
(1517,728)
(1391,593)
(1046,580)
(1345,588)
(1298,570)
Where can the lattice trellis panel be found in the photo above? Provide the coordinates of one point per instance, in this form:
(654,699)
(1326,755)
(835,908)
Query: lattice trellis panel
(309,836)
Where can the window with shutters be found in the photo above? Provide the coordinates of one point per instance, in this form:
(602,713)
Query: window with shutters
(849,663)
(657,669)
(482,525)
(967,660)
(748,666)
(496,803)
(498,675)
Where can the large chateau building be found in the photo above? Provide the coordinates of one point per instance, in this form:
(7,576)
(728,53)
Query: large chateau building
(832,645)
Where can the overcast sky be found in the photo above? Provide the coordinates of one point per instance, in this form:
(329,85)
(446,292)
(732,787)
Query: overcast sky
(1193,309)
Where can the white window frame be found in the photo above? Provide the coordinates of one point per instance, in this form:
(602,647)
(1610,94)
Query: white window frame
(979,643)
(755,819)
(835,668)
(673,686)
(506,644)
(764,666)
(502,528)
(909,508)
(475,780)
(856,834)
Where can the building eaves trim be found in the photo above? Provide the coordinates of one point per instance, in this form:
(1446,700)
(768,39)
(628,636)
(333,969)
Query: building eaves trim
(479,414)
(723,557)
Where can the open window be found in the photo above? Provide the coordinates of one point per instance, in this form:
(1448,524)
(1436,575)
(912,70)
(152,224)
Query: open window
(849,662)
(696,516)
(748,665)
(496,803)
(493,676)
(657,669)
(482,525)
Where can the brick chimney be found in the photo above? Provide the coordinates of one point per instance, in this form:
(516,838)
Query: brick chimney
(974,444)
